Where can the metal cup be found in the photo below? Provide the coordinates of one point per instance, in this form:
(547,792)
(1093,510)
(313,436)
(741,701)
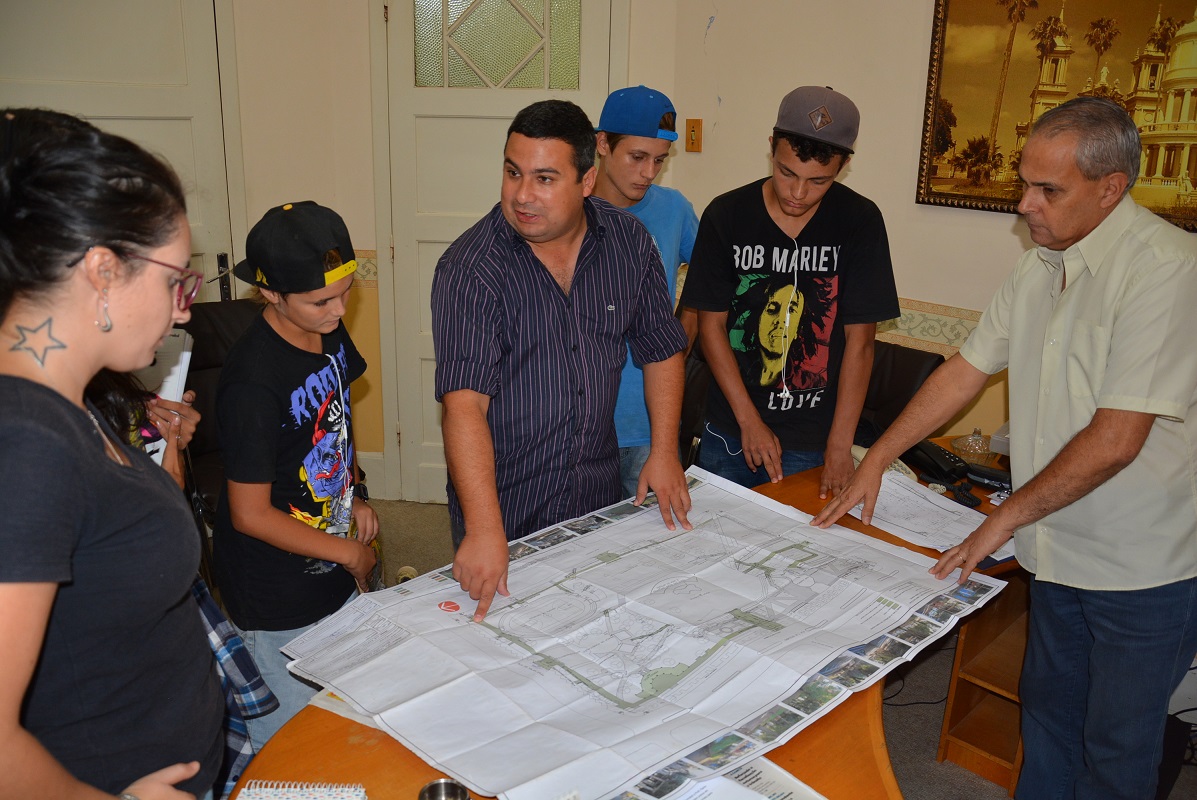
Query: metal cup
(444,789)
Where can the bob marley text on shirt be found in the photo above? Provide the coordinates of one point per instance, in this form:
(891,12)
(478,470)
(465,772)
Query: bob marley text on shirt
(780,330)
(322,407)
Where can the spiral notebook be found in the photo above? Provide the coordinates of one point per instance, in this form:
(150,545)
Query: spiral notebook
(288,790)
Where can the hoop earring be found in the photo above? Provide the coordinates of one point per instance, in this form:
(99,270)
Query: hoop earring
(106,325)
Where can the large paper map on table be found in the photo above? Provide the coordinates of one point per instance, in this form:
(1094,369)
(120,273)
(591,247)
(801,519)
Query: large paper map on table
(632,656)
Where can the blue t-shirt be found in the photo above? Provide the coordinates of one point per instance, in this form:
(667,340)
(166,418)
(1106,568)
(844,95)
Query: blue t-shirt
(671,221)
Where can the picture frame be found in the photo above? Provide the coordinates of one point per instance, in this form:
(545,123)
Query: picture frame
(996,65)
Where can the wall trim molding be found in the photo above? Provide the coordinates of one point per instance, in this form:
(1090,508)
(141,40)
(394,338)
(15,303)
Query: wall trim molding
(929,326)
(367,269)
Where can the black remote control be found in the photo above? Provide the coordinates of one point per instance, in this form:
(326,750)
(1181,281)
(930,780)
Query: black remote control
(989,476)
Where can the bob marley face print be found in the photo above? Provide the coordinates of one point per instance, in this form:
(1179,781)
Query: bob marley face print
(778,323)
(783,333)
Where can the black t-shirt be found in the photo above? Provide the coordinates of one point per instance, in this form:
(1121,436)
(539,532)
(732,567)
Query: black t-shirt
(788,301)
(126,682)
(285,420)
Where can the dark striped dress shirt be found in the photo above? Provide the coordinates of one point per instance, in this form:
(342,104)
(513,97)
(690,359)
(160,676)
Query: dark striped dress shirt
(550,362)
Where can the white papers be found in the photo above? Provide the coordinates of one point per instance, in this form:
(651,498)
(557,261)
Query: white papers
(758,778)
(167,376)
(769,780)
(632,656)
(915,514)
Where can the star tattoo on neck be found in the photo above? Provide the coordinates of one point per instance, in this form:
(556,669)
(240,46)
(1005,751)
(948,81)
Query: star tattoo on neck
(37,342)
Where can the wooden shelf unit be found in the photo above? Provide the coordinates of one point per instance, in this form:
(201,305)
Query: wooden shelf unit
(981,719)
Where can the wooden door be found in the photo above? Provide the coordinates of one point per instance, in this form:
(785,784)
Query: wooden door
(144,69)
(446,145)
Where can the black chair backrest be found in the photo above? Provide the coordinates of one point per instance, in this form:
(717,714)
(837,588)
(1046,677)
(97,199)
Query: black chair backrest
(898,372)
(694,404)
(215,327)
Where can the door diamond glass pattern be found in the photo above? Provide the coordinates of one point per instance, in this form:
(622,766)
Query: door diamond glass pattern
(535,8)
(564,64)
(495,22)
(517,44)
(532,77)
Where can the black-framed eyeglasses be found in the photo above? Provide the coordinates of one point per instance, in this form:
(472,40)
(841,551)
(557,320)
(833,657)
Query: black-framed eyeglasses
(189,284)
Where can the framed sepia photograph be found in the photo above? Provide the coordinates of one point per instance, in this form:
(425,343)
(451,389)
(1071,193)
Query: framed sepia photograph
(996,65)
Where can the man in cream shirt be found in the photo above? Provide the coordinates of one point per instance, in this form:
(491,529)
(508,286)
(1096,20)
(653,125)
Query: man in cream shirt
(1097,326)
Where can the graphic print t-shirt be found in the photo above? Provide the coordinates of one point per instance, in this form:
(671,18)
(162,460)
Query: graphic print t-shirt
(788,301)
(284,419)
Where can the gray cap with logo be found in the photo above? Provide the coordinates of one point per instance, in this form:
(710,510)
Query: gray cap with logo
(819,113)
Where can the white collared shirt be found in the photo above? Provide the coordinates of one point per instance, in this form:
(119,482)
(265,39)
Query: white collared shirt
(1119,333)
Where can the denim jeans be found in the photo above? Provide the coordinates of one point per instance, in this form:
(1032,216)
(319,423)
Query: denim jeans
(722,454)
(631,461)
(293,692)
(1099,670)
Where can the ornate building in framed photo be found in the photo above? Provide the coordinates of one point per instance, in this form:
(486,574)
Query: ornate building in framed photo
(986,54)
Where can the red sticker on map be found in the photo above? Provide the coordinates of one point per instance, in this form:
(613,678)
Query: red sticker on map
(449,605)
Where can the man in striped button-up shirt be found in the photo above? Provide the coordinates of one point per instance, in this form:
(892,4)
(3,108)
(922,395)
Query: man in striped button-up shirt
(531,308)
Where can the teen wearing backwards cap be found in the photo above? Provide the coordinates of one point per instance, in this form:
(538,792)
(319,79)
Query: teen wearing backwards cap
(790,275)
(635,131)
(283,554)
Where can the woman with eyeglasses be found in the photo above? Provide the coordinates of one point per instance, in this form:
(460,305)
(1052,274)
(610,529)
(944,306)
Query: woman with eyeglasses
(107,684)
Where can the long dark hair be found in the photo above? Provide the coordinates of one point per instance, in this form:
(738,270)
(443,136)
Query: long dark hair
(66,186)
(121,400)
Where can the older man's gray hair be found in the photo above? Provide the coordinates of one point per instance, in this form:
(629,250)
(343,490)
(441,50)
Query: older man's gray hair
(1108,140)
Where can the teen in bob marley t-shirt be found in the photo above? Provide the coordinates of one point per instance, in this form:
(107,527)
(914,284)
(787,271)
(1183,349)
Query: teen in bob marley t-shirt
(790,275)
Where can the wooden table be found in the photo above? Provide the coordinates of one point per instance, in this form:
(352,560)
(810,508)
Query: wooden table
(842,756)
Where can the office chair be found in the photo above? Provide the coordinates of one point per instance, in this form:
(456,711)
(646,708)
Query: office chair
(898,372)
(214,328)
(694,405)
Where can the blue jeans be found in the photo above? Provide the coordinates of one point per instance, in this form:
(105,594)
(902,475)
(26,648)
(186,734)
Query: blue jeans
(293,692)
(722,454)
(631,461)
(1099,669)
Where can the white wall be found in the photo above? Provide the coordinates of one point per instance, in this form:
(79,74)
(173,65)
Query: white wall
(303,73)
(305,106)
(730,63)
(303,90)
(303,80)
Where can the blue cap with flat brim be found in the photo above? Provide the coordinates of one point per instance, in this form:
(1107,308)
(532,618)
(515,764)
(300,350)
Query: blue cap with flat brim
(639,111)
